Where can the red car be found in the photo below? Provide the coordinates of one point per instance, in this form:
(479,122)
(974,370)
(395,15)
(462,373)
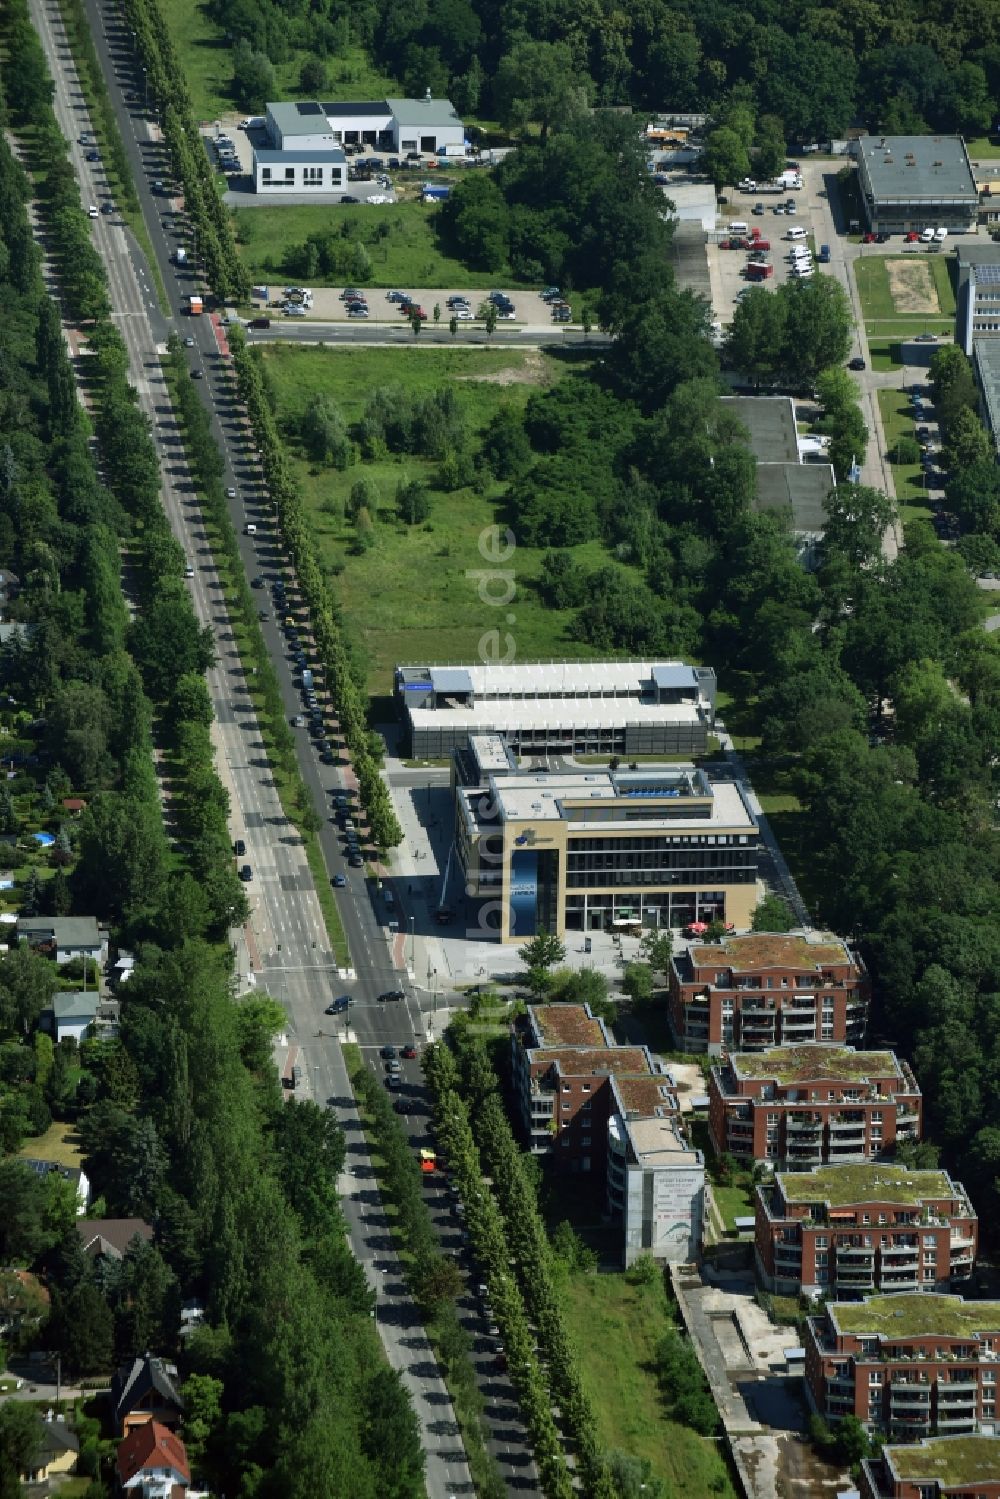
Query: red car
(868,239)
(913,237)
(409,1052)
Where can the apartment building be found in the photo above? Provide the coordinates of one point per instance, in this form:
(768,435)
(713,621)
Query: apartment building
(584,849)
(853,1230)
(964,1467)
(910,1365)
(656,1179)
(563,1062)
(812,1105)
(765,989)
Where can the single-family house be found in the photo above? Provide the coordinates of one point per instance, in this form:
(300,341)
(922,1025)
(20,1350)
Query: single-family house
(64,937)
(145,1390)
(68,1173)
(72,1013)
(74,805)
(56,1452)
(152,1463)
(111,1238)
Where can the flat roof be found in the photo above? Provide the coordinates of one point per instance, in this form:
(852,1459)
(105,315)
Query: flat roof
(977,253)
(906,168)
(747,954)
(556,679)
(423,112)
(356,107)
(450,679)
(946,1460)
(812,1062)
(645,1095)
(800,487)
(910,1313)
(843,1186)
(547,798)
(590,1061)
(490,752)
(566,1025)
(657,1142)
(297,153)
(770,421)
(71,930)
(505,716)
(296,118)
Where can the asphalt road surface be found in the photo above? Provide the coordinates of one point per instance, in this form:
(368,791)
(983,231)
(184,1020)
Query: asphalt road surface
(295,962)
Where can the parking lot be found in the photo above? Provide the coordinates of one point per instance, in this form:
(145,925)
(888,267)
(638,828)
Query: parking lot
(327,307)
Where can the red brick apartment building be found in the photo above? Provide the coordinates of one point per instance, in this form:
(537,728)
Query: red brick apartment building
(812,1105)
(767,989)
(852,1230)
(563,1062)
(956,1467)
(910,1365)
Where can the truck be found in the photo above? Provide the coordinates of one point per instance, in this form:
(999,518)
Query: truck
(195,306)
(759,271)
(756,242)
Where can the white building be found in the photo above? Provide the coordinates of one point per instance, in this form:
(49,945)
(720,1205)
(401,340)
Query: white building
(303,150)
(656,1180)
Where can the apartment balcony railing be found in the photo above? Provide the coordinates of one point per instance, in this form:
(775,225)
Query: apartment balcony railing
(962,1241)
(900,1251)
(903,1280)
(845,1126)
(962,1387)
(842,1383)
(855,1252)
(953,1422)
(909,1395)
(788,1252)
(798,1124)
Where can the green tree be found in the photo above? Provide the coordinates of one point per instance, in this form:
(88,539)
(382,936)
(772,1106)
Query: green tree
(81,1327)
(818,325)
(21,1434)
(725,157)
(324,432)
(541,82)
(539,956)
(755,340)
(772,914)
(772,149)
(658,950)
(637,982)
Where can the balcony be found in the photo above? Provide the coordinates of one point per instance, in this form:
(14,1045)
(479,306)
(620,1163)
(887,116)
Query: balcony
(846,1126)
(963,1386)
(954,1423)
(903,1394)
(800,1124)
(961,1242)
(900,1251)
(787,1253)
(855,1252)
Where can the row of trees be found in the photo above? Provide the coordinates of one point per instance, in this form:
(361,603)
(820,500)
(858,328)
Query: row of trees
(348,691)
(225,271)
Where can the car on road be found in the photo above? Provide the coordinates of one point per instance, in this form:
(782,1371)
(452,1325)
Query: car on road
(93,155)
(925,338)
(239,848)
(189,342)
(409,1052)
(349,198)
(246,873)
(230,493)
(339,881)
(388,1053)
(189,570)
(298,722)
(391,1080)
(339,1005)
(394,1068)
(197,374)
(923,433)
(355,860)
(257,582)
(391,996)
(857,363)
(263,614)
(107,208)
(92,211)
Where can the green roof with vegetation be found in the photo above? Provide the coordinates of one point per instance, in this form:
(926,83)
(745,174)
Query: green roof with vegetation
(910,1314)
(870,1182)
(947,1460)
(789,1064)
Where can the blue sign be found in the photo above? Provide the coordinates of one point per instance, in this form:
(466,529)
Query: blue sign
(523,894)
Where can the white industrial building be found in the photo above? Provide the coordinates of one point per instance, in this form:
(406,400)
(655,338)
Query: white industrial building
(304,141)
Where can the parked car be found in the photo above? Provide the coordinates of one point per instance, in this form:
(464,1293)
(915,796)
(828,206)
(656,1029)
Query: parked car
(246,873)
(868,238)
(857,363)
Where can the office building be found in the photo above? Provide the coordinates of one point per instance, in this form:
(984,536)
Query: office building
(594,850)
(747,993)
(302,150)
(910,1365)
(915,182)
(977,264)
(812,1105)
(559,708)
(852,1230)
(962,1467)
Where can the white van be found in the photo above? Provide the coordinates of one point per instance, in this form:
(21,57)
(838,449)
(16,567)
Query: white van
(800,252)
(250,529)
(738,227)
(795,233)
(802,270)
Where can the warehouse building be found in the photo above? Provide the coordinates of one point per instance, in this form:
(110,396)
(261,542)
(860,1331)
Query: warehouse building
(562,707)
(785,481)
(601,850)
(304,141)
(915,182)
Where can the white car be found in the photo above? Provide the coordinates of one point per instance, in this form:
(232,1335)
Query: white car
(230,493)
(926,236)
(295,310)
(92,212)
(463,314)
(940,234)
(801,272)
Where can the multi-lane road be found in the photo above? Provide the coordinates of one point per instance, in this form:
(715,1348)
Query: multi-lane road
(289,952)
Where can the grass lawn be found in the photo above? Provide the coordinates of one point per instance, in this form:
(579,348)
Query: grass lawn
(733,1202)
(615,1328)
(59,1144)
(407,254)
(413,595)
(208,69)
(897,422)
(882,317)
